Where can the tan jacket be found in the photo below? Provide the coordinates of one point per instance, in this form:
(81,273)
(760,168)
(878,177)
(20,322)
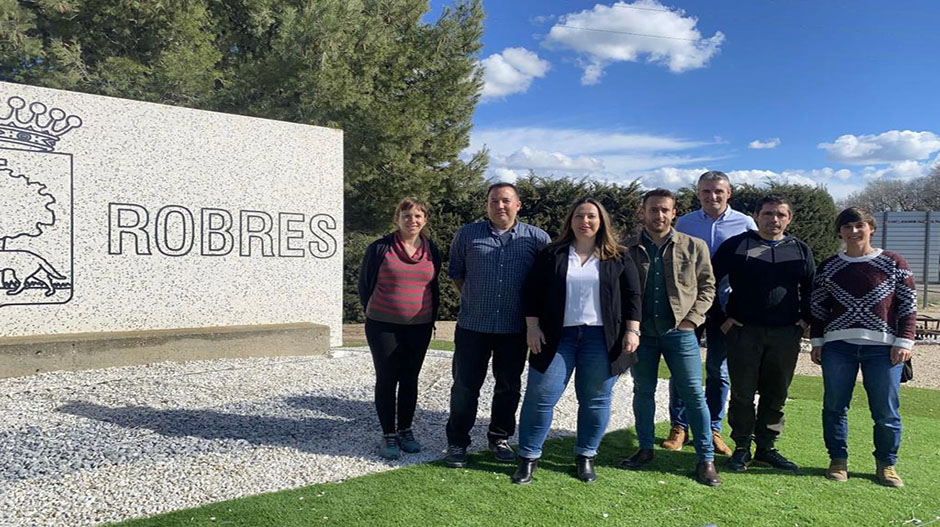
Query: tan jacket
(690,283)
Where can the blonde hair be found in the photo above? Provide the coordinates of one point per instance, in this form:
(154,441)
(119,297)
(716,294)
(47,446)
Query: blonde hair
(605,242)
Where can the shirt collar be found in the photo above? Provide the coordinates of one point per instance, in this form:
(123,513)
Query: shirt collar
(728,212)
(573,254)
(494,230)
(645,238)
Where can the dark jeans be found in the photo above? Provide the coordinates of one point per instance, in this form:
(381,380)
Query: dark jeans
(716,379)
(761,359)
(472,351)
(398,352)
(882,381)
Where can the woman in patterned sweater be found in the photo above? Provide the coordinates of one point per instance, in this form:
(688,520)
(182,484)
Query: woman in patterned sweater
(398,288)
(863,307)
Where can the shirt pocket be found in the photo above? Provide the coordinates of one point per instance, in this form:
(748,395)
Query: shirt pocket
(685,271)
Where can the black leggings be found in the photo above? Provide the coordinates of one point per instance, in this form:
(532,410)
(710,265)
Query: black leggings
(398,352)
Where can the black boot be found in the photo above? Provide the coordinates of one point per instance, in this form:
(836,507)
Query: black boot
(739,460)
(525,470)
(586,469)
(774,458)
(638,459)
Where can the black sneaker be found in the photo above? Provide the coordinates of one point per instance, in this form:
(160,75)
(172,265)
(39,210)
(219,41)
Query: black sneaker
(456,456)
(739,460)
(388,448)
(407,441)
(774,458)
(502,451)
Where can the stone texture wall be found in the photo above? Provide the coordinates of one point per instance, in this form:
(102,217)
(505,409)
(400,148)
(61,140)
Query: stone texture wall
(146,216)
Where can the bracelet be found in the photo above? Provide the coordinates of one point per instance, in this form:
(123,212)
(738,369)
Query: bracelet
(533,326)
(634,331)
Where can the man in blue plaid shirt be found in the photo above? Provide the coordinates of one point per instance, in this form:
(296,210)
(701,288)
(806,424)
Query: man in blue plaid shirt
(489,262)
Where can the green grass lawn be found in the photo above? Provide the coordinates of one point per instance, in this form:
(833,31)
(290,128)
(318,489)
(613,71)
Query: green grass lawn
(663,494)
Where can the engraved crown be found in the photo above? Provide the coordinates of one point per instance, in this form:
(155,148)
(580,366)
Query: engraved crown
(35,127)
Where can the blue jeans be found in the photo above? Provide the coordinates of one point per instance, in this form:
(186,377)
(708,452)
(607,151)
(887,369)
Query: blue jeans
(680,349)
(882,381)
(581,348)
(716,381)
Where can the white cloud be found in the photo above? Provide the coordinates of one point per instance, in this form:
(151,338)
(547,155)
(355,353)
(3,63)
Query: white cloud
(757,144)
(575,141)
(579,153)
(903,170)
(632,162)
(657,161)
(527,158)
(511,71)
(674,177)
(541,19)
(503,174)
(670,177)
(888,147)
(839,182)
(620,33)
(761,177)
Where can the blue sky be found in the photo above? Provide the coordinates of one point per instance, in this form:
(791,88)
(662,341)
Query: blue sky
(824,92)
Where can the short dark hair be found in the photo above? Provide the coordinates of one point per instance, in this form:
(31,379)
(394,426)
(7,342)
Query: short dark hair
(773,199)
(658,193)
(854,214)
(502,184)
(408,204)
(714,175)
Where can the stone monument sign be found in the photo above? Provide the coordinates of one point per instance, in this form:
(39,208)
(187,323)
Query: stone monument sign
(121,216)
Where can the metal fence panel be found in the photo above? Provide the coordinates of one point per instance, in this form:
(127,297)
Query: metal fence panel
(916,237)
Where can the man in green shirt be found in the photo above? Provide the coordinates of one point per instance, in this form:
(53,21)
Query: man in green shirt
(678,288)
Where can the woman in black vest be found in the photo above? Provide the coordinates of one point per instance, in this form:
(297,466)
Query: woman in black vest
(582,306)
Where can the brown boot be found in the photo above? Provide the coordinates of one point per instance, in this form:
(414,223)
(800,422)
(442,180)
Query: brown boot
(677,437)
(887,475)
(720,446)
(838,470)
(706,474)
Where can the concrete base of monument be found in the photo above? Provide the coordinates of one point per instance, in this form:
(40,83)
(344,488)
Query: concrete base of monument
(78,351)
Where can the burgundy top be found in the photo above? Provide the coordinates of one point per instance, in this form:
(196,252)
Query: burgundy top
(402,292)
(869,299)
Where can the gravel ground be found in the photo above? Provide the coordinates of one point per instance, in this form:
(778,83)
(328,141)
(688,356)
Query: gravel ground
(926,361)
(83,448)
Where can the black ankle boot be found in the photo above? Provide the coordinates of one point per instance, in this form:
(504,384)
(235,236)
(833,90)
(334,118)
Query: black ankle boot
(524,471)
(586,469)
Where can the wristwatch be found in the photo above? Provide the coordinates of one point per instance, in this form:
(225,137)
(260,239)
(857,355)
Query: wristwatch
(634,331)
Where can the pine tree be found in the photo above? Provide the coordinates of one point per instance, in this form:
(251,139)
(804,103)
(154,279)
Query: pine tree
(402,90)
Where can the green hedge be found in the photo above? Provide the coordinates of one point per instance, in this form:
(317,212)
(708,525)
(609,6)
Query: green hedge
(546,200)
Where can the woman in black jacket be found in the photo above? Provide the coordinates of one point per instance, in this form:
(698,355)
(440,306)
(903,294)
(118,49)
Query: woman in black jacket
(582,305)
(398,287)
